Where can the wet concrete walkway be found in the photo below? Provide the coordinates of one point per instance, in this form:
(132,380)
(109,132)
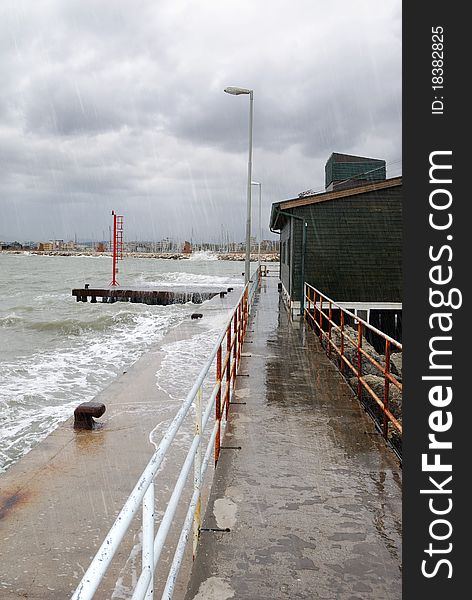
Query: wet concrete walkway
(313,497)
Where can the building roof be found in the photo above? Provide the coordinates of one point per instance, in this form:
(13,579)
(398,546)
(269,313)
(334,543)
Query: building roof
(341,157)
(327,196)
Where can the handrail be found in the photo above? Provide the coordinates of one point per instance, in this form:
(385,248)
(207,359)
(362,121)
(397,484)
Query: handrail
(316,317)
(143,492)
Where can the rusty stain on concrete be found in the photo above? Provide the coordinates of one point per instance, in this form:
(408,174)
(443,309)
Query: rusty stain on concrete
(11,501)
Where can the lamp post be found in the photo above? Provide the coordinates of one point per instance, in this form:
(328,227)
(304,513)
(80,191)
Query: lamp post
(236,91)
(260,222)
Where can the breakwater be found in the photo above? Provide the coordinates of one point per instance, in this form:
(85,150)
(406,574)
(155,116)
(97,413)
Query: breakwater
(231,256)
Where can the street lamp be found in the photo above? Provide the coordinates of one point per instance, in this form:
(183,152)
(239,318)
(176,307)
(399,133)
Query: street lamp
(260,222)
(237,91)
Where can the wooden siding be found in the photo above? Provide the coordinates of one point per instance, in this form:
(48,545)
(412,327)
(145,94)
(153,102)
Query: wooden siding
(354,247)
(285,254)
(373,170)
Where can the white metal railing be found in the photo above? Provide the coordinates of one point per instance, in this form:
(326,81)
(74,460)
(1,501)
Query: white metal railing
(143,492)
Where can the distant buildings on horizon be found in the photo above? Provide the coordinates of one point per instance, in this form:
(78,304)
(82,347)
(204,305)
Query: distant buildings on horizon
(164,246)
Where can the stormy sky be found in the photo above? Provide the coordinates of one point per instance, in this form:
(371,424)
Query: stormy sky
(119,104)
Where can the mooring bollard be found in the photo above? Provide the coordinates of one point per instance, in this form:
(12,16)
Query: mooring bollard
(84,413)
(230,289)
(196,316)
(223,294)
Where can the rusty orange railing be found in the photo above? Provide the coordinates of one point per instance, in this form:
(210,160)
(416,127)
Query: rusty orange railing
(323,324)
(228,358)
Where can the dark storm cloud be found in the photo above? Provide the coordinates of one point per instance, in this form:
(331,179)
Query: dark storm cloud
(115,104)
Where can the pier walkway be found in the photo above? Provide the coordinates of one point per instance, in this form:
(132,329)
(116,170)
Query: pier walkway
(312,499)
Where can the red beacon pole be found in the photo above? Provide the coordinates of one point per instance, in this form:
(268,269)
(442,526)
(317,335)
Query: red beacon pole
(117,244)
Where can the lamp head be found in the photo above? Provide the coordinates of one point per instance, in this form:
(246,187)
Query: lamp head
(236,91)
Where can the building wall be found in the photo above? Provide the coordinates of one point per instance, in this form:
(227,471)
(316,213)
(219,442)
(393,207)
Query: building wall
(354,247)
(340,167)
(363,172)
(286,252)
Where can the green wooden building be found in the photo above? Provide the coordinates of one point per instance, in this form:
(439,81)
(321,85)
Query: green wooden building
(353,244)
(344,171)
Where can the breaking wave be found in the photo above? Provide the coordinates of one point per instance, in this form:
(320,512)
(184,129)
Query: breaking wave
(56,353)
(203,255)
(187,279)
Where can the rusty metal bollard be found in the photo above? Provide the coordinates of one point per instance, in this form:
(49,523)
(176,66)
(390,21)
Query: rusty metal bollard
(84,414)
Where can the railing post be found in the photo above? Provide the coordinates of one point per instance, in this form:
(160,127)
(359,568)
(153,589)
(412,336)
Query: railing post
(228,369)
(197,471)
(240,313)
(308,306)
(235,347)
(359,360)
(314,310)
(321,319)
(330,318)
(246,311)
(244,316)
(218,405)
(386,388)
(148,538)
(342,341)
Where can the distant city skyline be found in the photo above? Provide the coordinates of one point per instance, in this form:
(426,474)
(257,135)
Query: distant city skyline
(137,240)
(115,105)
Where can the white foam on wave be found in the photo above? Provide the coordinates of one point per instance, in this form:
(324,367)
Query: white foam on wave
(11,319)
(98,256)
(203,255)
(187,279)
(57,353)
(184,359)
(40,298)
(182,363)
(37,394)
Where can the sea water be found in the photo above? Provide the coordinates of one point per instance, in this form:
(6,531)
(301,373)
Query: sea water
(56,353)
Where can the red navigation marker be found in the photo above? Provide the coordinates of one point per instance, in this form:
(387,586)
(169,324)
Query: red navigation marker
(117,244)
